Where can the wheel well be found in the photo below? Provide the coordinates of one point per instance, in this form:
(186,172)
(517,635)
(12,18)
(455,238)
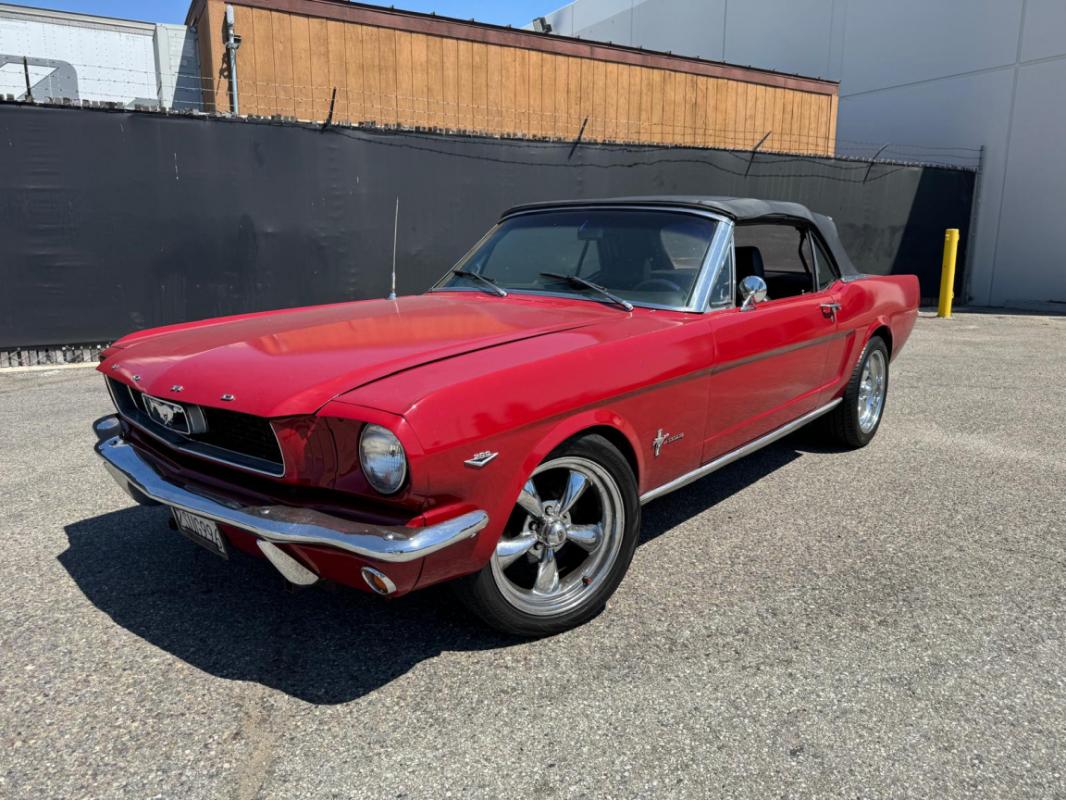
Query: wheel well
(620,441)
(886,334)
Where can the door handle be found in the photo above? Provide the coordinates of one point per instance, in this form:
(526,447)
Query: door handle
(830,310)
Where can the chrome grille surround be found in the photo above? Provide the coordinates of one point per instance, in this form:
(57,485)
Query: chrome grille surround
(232,438)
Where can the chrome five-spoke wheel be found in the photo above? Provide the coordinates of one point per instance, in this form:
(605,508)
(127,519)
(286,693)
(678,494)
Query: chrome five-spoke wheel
(566,544)
(565,537)
(872,390)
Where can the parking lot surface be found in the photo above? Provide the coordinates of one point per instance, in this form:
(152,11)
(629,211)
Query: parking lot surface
(806,622)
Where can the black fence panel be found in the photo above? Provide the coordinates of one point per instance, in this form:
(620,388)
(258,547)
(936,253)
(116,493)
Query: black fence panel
(115,221)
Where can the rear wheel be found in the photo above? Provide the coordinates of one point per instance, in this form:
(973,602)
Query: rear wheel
(857,417)
(566,546)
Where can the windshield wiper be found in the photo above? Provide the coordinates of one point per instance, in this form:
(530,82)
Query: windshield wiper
(581,283)
(488,283)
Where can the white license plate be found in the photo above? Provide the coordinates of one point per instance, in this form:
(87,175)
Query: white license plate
(203,531)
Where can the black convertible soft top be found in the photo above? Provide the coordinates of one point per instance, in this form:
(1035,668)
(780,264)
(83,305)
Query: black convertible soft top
(739,209)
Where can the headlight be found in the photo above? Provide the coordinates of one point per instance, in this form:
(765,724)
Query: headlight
(383,459)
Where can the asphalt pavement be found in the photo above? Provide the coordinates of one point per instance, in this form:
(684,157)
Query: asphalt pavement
(807,622)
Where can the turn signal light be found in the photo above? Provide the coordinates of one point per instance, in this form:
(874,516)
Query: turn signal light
(378,581)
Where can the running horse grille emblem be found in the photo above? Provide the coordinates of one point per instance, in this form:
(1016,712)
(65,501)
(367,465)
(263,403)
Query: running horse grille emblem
(169,415)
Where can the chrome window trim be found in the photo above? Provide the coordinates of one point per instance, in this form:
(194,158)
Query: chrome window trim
(701,288)
(816,239)
(588,299)
(728,261)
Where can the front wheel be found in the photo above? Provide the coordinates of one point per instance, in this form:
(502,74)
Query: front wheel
(857,417)
(566,545)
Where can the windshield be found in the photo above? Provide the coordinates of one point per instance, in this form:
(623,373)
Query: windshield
(649,257)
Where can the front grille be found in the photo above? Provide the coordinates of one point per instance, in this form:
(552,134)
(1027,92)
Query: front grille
(243,440)
(241,433)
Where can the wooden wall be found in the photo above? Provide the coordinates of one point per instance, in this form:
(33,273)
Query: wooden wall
(289,63)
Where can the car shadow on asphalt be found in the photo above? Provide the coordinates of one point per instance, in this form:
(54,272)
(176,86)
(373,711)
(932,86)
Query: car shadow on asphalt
(327,644)
(663,515)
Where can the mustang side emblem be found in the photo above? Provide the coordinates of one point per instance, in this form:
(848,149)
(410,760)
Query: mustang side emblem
(662,438)
(478,460)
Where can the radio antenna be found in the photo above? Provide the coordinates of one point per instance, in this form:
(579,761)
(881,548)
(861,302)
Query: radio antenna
(395,230)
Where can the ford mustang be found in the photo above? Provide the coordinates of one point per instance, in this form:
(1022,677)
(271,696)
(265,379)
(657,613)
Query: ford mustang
(503,430)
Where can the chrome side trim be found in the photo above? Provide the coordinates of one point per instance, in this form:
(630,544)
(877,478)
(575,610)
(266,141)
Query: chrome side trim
(286,524)
(739,453)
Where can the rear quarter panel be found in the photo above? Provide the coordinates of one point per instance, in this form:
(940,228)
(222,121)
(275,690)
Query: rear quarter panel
(870,304)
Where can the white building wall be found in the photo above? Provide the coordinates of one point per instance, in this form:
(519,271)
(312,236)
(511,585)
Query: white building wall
(937,73)
(81,57)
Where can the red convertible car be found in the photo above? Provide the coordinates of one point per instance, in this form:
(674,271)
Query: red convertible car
(503,430)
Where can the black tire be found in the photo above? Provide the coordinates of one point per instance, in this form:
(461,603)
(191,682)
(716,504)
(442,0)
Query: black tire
(482,595)
(842,424)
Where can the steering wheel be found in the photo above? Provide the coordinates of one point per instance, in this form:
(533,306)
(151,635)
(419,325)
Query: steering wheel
(652,284)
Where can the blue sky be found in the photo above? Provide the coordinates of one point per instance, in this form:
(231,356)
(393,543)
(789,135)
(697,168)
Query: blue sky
(507,12)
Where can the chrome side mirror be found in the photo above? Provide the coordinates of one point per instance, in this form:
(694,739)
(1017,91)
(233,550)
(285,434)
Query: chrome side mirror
(752,291)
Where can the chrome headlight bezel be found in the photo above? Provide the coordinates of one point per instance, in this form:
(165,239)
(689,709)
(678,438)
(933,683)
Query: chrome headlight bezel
(377,442)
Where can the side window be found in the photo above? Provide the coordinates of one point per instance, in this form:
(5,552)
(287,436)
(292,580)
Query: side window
(778,253)
(827,271)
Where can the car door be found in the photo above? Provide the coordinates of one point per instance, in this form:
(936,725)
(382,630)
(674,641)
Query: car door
(771,360)
(845,302)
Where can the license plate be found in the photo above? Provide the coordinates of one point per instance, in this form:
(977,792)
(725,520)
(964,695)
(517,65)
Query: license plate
(204,532)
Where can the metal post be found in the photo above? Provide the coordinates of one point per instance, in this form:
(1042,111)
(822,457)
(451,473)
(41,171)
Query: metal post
(233,41)
(577,141)
(755,150)
(870,166)
(329,116)
(26,71)
(947,272)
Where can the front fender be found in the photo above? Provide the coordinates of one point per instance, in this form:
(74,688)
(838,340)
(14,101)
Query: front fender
(495,488)
(571,426)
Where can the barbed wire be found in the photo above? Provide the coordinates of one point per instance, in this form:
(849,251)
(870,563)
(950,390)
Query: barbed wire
(208,83)
(370,106)
(405,143)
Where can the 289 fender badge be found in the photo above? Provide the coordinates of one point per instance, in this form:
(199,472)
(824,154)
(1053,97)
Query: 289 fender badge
(478,460)
(662,438)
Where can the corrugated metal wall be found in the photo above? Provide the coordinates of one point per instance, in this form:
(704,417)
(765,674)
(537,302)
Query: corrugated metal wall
(927,81)
(81,57)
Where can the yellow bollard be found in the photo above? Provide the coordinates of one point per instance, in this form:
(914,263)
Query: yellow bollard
(947,272)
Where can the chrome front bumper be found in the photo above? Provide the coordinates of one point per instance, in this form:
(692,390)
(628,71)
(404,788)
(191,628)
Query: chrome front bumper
(279,524)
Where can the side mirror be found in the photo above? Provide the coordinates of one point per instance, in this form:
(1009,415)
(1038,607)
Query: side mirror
(752,291)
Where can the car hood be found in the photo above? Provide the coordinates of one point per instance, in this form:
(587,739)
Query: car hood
(293,362)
